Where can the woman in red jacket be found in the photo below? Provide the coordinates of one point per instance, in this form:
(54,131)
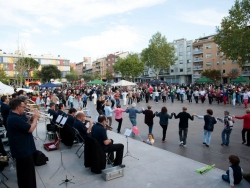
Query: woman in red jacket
(246,126)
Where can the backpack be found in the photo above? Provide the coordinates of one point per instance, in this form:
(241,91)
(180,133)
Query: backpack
(40,158)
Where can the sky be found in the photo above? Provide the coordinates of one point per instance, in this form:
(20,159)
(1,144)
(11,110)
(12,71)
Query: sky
(95,28)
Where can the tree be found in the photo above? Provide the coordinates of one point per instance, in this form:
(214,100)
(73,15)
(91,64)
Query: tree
(97,75)
(159,55)
(26,64)
(233,36)
(212,74)
(129,67)
(233,74)
(87,77)
(109,75)
(3,76)
(36,74)
(50,71)
(71,77)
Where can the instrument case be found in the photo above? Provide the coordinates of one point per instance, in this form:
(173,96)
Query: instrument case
(112,173)
(47,145)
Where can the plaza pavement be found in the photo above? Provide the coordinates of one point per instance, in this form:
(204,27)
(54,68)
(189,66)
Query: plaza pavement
(163,165)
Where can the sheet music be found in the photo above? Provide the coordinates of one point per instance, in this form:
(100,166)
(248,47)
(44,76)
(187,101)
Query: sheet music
(128,132)
(59,119)
(64,119)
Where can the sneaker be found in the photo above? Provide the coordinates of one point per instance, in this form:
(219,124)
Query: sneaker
(204,143)
(207,145)
(163,141)
(184,145)
(181,143)
(122,166)
(244,142)
(222,144)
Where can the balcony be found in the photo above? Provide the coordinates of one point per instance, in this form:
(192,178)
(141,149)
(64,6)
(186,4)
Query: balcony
(198,51)
(197,67)
(197,60)
(245,73)
(246,65)
(196,76)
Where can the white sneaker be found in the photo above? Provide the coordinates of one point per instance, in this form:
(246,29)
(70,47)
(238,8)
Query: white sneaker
(181,143)
(184,145)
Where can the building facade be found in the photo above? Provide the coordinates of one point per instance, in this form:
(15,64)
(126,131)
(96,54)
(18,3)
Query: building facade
(206,55)
(7,61)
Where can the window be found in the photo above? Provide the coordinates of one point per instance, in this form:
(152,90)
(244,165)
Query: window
(188,53)
(172,70)
(189,69)
(223,71)
(208,55)
(234,70)
(217,53)
(181,70)
(217,63)
(217,45)
(189,61)
(208,46)
(188,45)
(234,61)
(112,58)
(208,63)
(109,65)
(108,59)
(180,53)
(181,61)
(223,62)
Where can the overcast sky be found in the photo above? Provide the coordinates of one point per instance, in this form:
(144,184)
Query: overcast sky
(95,28)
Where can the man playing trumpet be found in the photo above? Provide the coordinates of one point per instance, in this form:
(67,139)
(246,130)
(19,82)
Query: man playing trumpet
(22,144)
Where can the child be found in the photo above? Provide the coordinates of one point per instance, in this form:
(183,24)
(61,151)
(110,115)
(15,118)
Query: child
(234,174)
(150,139)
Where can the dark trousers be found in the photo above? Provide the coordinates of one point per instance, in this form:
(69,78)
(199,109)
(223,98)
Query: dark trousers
(138,99)
(196,98)
(248,136)
(163,98)
(25,170)
(112,103)
(119,125)
(210,99)
(100,112)
(118,148)
(183,135)
(189,98)
(84,104)
(147,99)
(164,131)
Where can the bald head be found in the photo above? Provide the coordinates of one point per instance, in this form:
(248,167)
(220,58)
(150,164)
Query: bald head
(80,116)
(184,108)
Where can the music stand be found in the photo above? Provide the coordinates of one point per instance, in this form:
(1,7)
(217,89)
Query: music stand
(127,133)
(60,122)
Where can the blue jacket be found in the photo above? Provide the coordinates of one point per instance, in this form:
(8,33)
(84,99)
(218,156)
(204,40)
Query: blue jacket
(132,112)
(164,118)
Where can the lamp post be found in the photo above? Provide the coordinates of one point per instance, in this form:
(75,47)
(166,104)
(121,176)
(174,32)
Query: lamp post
(220,70)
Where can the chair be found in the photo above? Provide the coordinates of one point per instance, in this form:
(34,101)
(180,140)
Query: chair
(1,181)
(77,136)
(7,150)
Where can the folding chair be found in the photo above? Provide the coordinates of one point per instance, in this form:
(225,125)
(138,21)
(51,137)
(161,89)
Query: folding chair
(7,150)
(77,135)
(109,162)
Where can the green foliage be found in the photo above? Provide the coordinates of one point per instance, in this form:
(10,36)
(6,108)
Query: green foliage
(36,74)
(108,75)
(159,55)
(97,75)
(50,72)
(71,77)
(129,67)
(3,76)
(212,74)
(27,64)
(234,34)
(87,77)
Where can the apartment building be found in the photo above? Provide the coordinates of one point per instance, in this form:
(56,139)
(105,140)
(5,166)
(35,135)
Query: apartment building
(99,67)
(207,56)
(7,61)
(86,63)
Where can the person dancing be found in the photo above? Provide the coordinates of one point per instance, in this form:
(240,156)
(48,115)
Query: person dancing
(164,116)
(118,116)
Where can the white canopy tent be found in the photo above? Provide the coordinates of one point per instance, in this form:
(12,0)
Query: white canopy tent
(124,83)
(5,89)
(26,90)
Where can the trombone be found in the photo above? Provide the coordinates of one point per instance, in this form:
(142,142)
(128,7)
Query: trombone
(42,115)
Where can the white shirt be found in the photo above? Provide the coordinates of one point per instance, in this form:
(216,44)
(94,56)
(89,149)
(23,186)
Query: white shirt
(202,93)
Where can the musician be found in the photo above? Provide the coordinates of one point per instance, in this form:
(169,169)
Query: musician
(52,112)
(22,144)
(5,109)
(80,126)
(71,116)
(21,93)
(61,110)
(100,134)
(24,99)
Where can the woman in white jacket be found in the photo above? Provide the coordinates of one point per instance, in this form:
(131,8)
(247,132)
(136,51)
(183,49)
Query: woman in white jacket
(108,112)
(94,98)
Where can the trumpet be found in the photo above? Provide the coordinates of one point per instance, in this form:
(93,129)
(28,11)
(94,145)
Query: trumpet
(42,115)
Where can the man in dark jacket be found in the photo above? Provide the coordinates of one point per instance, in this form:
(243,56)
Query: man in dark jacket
(183,125)
(149,118)
(5,109)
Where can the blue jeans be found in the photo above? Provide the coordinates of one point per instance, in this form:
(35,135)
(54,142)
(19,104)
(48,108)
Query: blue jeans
(183,135)
(156,98)
(225,135)
(150,128)
(225,177)
(71,105)
(117,101)
(207,137)
(172,98)
(181,95)
(133,121)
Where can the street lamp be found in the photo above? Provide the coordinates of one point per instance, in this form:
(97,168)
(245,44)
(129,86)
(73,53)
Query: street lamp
(220,70)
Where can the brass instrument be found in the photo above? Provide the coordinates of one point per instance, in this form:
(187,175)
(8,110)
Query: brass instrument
(42,115)
(32,104)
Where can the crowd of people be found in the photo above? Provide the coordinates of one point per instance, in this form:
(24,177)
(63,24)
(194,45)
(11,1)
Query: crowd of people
(107,100)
